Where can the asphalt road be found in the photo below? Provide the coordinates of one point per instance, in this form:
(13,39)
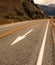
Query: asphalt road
(27,43)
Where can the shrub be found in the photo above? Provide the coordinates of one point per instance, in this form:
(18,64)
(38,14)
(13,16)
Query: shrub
(7,16)
(18,12)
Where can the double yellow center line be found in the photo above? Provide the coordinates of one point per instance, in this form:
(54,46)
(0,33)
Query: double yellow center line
(17,29)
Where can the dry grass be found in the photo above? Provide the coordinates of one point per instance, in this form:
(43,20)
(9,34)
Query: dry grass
(53,24)
(53,21)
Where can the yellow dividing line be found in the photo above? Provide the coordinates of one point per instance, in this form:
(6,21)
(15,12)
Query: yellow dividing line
(17,29)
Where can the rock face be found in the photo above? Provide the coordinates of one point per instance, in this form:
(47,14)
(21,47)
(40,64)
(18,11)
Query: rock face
(20,9)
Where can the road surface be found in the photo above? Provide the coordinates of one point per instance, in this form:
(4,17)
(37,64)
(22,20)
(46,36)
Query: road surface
(27,43)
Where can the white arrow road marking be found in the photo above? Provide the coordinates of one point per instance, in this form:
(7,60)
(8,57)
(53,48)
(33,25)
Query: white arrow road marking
(40,58)
(21,37)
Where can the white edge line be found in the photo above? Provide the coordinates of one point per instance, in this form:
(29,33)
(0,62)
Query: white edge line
(40,57)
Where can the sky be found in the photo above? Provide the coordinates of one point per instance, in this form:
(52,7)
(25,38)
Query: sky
(44,2)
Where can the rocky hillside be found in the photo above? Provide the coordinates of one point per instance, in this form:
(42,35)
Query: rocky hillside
(20,10)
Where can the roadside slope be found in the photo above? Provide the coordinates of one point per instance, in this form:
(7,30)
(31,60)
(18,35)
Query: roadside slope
(19,10)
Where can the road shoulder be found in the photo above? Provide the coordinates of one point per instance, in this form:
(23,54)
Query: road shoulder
(53,35)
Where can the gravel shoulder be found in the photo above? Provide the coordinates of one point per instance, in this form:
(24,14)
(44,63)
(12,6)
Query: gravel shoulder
(53,35)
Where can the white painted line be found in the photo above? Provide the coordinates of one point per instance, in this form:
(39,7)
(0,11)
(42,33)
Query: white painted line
(40,58)
(21,37)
